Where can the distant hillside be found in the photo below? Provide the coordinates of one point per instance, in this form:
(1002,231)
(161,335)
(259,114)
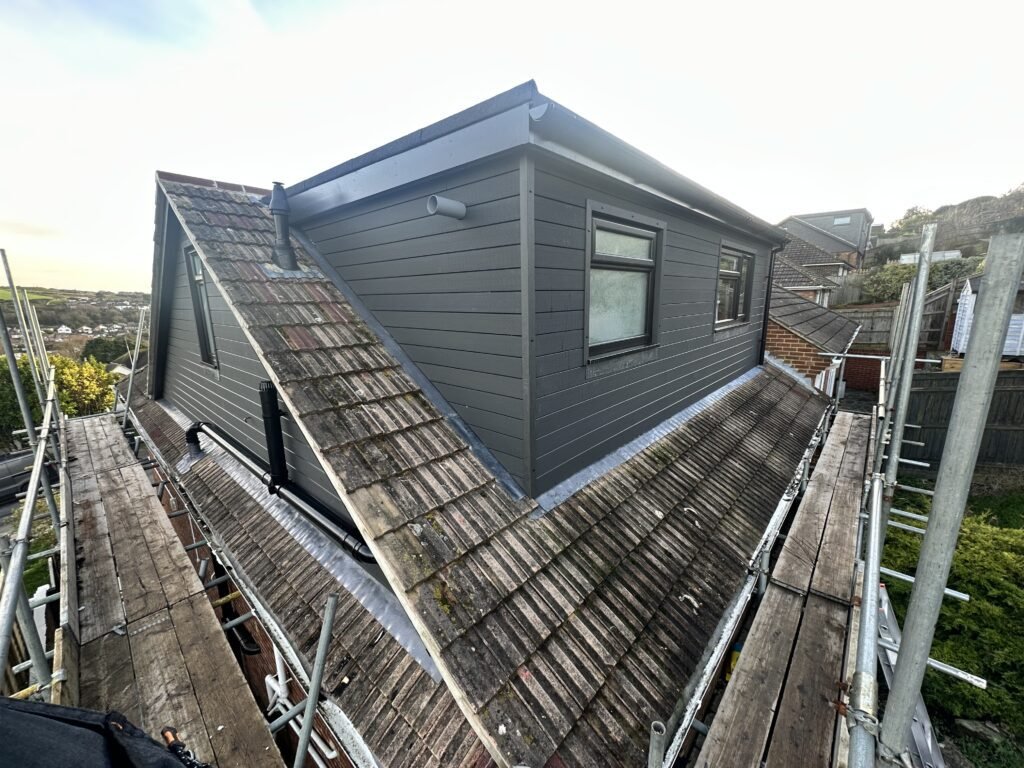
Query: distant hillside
(966,226)
(79,308)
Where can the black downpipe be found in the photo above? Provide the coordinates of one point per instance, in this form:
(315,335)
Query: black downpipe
(275,440)
(767,304)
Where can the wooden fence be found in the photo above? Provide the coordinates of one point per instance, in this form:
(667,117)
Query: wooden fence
(931,404)
(875,323)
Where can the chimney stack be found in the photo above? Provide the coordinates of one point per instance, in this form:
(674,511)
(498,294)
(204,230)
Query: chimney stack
(284,256)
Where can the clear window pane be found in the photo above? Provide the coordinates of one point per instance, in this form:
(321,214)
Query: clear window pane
(618,244)
(618,305)
(726,298)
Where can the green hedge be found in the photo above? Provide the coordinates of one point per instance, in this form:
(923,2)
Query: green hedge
(986,635)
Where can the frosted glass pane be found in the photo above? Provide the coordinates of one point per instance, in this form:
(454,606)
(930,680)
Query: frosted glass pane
(618,244)
(618,305)
(726,299)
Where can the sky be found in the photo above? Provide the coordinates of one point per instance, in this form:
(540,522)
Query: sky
(781,107)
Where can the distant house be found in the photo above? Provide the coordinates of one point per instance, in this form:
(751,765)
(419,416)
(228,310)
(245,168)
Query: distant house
(800,331)
(816,260)
(526,404)
(85,330)
(802,281)
(63,329)
(912,258)
(1013,346)
(844,234)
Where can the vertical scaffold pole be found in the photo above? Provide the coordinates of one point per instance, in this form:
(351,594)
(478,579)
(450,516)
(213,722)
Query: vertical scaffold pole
(36,651)
(315,679)
(906,372)
(26,417)
(1004,266)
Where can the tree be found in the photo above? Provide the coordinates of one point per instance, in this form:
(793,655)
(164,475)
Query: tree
(912,219)
(105,349)
(82,388)
(946,271)
(885,283)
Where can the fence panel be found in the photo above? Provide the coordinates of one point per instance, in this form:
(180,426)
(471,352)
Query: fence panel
(931,403)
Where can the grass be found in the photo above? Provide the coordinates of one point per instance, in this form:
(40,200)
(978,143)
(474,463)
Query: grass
(984,636)
(5,295)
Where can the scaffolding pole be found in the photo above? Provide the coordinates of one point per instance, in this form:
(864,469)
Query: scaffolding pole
(23,612)
(862,713)
(26,418)
(906,372)
(315,679)
(135,363)
(13,585)
(1005,264)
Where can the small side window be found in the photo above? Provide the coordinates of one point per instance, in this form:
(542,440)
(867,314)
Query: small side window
(734,270)
(840,220)
(201,306)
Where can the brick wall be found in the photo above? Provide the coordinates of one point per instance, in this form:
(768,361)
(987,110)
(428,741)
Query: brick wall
(862,375)
(795,352)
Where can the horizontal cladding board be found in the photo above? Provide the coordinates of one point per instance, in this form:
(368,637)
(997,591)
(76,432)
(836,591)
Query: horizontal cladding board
(462,341)
(480,215)
(475,182)
(492,236)
(506,386)
(507,302)
(484,401)
(512,426)
(469,361)
(445,264)
(453,321)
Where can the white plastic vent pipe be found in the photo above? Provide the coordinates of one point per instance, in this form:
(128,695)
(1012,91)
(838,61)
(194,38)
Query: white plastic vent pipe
(445,206)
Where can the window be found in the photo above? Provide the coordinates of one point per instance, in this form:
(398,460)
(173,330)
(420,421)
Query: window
(200,306)
(840,220)
(733,303)
(623,283)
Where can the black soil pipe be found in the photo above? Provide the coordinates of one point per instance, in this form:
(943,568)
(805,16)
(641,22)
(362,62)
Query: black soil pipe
(272,429)
(319,514)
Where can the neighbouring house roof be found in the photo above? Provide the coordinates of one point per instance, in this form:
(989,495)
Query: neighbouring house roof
(562,634)
(826,329)
(841,242)
(806,254)
(792,275)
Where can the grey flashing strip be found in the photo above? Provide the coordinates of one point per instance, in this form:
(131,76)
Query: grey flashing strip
(555,496)
(426,385)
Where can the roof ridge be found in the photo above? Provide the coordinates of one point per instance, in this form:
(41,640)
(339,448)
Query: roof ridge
(199,181)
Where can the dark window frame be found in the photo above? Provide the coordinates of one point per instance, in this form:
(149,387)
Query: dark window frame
(614,219)
(201,307)
(740,312)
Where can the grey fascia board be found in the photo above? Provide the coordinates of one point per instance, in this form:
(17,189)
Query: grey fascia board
(557,129)
(479,140)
